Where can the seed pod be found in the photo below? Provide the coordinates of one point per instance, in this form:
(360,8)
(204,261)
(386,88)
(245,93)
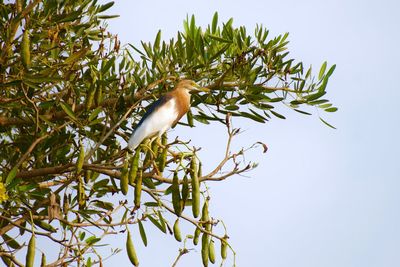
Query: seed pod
(211,251)
(197,233)
(43,260)
(65,204)
(177,231)
(131,250)
(90,98)
(99,95)
(30,254)
(25,50)
(124,178)
(147,152)
(189,116)
(138,190)
(162,157)
(176,195)
(199,172)
(134,166)
(81,194)
(224,248)
(81,159)
(185,190)
(195,187)
(205,217)
(204,249)
(154,147)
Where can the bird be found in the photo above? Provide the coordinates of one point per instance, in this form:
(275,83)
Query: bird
(164,113)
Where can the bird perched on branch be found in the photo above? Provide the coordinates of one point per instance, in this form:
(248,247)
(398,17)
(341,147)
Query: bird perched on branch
(164,113)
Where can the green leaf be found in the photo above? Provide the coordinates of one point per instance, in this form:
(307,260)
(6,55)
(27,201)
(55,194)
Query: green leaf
(220,39)
(94,113)
(331,70)
(11,175)
(156,223)
(91,240)
(326,123)
(68,110)
(12,243)
(280,116)
(214,23)
(157,41)
(142,233)
(302,112)
(322,71)
(332,109)
(103,8)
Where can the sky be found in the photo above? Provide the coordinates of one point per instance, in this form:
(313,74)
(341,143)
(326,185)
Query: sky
(320,197)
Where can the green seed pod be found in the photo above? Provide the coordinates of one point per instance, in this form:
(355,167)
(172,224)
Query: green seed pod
(162,157)
(200,172)
(211,251)
(81,159)
(176,195)
(177,231)
(138,190)
(43,260)
(154,148)
(224,248)
(81,194)
(205,217)
(99,95)
(195,187)
(25,50)
(204,249)
(124,181)
(196,236)
(30,254)
(189,116)
(131,250)
(86,176)
(185,190)
(134,166)
(90,98)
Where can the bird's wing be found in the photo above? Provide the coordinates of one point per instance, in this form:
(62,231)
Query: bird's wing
(154,106)
(151,123)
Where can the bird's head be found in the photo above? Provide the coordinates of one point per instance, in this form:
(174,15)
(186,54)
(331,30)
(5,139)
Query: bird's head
(191,86)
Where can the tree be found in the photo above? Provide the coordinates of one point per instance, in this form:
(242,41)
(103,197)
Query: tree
(71,94)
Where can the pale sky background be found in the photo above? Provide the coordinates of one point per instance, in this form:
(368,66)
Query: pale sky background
(320,197)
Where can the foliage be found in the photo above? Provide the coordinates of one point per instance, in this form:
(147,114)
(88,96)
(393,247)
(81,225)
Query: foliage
(69,94)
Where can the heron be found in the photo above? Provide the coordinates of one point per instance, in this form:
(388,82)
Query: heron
(164,113)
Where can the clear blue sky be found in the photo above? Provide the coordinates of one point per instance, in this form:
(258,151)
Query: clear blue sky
(320,197)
